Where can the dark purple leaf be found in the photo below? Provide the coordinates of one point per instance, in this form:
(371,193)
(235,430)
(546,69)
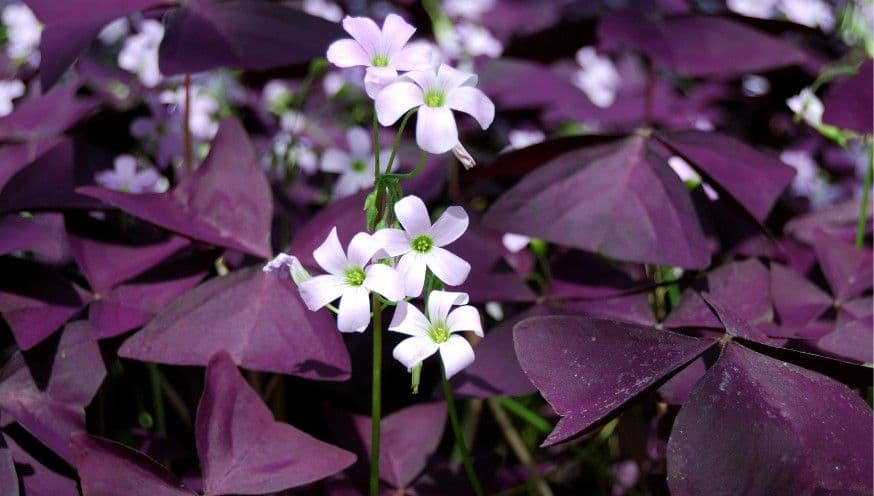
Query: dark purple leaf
(246,34)
(632,308)
(41,234)
(345,214)
(848,103)
(16,156)
(753,178)
(28,121)
(582,197)
(581,275)
(676,389)
(107,468)
(500,78)
(258,318)
(36,478)
(47,390)
(698,46)
(796,299)
(758,426)
(852,338)
(243,450)
(227,202)
(847,269)
(736,325)
(588,368)
(490,278)
(35,300)
(8,478)
(837,221)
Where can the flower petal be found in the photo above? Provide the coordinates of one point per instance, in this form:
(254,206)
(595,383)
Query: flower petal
(450,226)
(448,267)
(348,184)
(456,354)
(413,215)
(360,142)
(395,242)
(354,314)
(396,32)
(440,302)
(395,100)
(336,161)
(347,53)
(362,248)
(386,281)
(366,33)
(412,268)
(329,255)
(321,290)
(377,78)
(465,318)
(413,350)
(435,129)
(450,78)
(409,320)
(413,57)
(474,102)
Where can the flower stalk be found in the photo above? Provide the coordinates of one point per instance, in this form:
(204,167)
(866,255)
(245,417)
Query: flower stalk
(459,435)
(866,191)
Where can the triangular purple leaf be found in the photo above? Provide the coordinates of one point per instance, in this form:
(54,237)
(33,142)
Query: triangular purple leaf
(28,121)
(36,478)
(847,269)
(42,234)
(243,450)
(17,156)
(8,477)
(852,338)
(796,299)
(755,425)
(848,103)
(256,317)
(589,368)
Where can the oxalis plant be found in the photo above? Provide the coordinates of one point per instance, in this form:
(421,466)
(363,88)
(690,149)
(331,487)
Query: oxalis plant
(440,247)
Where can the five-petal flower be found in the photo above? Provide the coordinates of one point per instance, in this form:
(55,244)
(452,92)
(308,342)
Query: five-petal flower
(351,276)
(420,244)
(355,166)
(436,93)
(435,332)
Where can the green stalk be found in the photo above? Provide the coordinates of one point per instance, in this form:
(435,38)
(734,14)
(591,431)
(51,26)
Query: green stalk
(863,208)
(376,396)
(375,150)
(526,414)
(157,397)
(459,436)
(397,143)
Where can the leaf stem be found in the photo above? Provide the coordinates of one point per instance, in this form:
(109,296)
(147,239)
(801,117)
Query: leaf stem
(516,443)
(376,397)
(157,397)
(863,208)
(526,414)
(397,142)
(459,436)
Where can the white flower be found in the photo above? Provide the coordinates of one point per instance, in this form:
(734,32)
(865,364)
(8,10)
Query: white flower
(351,276)
(9,90)
(285,264)
(420,244)
(436,93)
(472,40)
(597,77)
(139,54)
(808,181)
(683,170)
(276,95)
(324,9)
(114,31)
(356,167)
(514,243)
(125,177)
(808,105)
(23,32)
(295,152)
(467,9)
(521,138)
(383,52)
(754,85)
(763,9)
(202,120)
(812,13)
(436,331)
(293,122)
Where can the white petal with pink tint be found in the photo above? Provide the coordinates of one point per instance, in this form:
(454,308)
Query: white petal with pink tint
(413,350)
(329,255)
(413,215)
(407,319)
(456,354)
(386,281)
(347,53)
(436,131)
(465,318)
(354,314)
(473,102)
(321,290)
(450,226)
(448,267)
(440,302)
(395,100)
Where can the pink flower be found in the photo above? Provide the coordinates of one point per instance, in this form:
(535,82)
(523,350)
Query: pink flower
(125,177)
(351,277)
(435,332)
(420,244)
(382,51)
(436,93)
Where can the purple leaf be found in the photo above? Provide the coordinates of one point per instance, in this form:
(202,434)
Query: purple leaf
(796,299)
(588,368)
(847,269)
(243,450)
(735,325)
(227,202)
(42,234)
(258,318)
(753,178)
(28,121)
(698,46)
(632,308)
(345,214)
(255,35)
(36,300)
(8,477)
(107,468)
(36,478)
(852,338)
(758,426)
(836,221)
(51,404)
(848,103)
(490,278)
(17,156)
(581,199)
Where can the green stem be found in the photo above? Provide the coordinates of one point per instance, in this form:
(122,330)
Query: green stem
(376,172)
(459,436)
(376,397)
(538,484)
(157,397)
(397,143)
(423,156)
(863,208)
(526,414)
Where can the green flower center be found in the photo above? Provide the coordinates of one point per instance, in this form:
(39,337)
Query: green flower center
(358,165)
(355,276)
(380,61)
(422,243)
(434,98)
(439,333)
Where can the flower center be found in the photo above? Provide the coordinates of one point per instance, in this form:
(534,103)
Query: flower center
(355,276)
(422,243)
(439,333)
(358,165)
(380,61)
(434,98)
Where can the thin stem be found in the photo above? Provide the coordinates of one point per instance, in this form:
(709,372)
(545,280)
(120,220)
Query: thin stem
(376,397)
(376,172)
(397,143)
(423,156)
(519,449)
(526,414)
(863,208)
(188,159)
(459,436)
(157,397)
